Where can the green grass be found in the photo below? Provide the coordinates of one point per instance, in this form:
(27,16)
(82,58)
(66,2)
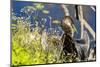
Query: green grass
(27,47)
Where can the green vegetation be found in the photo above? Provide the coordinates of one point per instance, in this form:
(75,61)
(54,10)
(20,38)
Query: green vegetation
(27,47)
(35,47)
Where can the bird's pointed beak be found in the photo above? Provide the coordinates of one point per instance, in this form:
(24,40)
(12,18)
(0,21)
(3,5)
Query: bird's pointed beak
(74,28)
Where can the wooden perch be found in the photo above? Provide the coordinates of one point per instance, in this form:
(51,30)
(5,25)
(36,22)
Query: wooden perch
(80,15)
(66,11)
(84,23)
(88,28)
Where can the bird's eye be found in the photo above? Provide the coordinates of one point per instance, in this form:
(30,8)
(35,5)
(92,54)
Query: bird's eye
(67,22)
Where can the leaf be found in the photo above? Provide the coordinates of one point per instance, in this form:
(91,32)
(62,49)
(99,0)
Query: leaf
(45,11)
(13,25)
(56,22)
(39,6)
(31,7)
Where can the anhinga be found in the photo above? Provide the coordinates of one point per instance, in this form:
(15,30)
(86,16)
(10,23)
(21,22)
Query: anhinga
(67,38)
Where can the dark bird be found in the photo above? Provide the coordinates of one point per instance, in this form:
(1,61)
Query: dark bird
(67,39)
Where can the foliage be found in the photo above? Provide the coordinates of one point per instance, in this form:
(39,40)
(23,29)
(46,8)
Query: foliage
(35,47)
(27,48)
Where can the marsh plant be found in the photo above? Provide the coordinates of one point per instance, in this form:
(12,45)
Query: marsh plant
(33,47)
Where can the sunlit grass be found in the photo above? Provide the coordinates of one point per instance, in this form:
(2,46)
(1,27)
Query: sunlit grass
(27,48)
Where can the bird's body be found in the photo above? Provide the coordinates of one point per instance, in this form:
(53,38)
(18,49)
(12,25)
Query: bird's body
(67,39)
(69,45)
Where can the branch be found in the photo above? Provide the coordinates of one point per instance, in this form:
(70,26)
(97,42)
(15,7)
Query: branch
(84,23)
(66,11)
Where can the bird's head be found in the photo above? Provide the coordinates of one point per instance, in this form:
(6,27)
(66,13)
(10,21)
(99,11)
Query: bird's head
(67,25)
